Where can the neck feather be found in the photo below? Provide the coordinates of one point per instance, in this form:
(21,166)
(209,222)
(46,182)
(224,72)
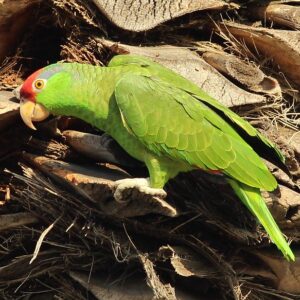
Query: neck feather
(87,95)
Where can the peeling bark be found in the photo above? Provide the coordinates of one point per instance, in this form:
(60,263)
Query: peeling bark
(247,74)
(98,185)
(282,14)
(287,274)
(186,263)
(200,243)
(285,208)
(282,46)
(160,290)
(141,15)
(14,17)
(51,149)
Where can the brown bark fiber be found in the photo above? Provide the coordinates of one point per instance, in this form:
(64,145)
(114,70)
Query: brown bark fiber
(64,232)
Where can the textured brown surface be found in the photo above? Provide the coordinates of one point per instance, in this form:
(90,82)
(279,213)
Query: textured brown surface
(10,221)
(213,248)
(282,46)
(9,110)
(287,276)
(140,15)
(286,15)
(14,16)
(285,207)
(98,185)
(247,74)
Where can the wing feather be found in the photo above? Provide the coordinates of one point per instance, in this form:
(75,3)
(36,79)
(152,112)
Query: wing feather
(262,144)
(171,122)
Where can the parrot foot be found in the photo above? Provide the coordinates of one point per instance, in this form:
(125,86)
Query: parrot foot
(129,188)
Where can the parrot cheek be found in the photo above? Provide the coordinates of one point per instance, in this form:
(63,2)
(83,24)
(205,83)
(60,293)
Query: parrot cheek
(32,111)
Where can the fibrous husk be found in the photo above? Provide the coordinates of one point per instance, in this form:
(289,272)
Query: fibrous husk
(282,14)
(288,141)
(68,212)
(75,10)
(287,274)
(143,15)
(44,197)
(98,184)
(280,45)
(14,17)
(9,221)
(247,74)
(213,233)
(160,290)
(101,287)
(282,177)
(14,270)
(51,148)
(285,207)
(186,263)
(132,288)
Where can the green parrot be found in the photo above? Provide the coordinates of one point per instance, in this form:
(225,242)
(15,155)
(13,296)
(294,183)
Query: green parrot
(163,120)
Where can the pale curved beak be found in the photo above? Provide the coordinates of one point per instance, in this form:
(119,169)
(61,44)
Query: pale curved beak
(31,111)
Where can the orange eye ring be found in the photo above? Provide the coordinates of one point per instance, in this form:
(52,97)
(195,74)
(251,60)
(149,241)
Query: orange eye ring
(39,84)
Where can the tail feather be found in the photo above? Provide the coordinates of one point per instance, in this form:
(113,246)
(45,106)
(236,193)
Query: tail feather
(252,198)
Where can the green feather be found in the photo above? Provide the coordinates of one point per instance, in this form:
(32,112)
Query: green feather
(211,143)
(210,140)
(166,121)
(252,198)
(184,84)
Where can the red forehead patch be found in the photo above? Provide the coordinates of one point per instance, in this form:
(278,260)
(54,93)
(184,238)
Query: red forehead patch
(27,91)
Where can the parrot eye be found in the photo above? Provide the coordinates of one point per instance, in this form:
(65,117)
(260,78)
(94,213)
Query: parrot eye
(39,84)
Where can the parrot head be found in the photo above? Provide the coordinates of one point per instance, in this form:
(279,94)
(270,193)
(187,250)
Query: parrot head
(39,92)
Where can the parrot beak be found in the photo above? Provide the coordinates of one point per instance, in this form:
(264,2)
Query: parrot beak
(31,111)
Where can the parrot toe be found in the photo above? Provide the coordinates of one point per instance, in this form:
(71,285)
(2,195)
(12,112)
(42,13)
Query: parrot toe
(135,188)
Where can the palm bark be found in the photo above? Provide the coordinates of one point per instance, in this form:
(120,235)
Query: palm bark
(57,183)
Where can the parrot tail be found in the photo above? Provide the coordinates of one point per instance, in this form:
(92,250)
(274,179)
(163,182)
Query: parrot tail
(252,198)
